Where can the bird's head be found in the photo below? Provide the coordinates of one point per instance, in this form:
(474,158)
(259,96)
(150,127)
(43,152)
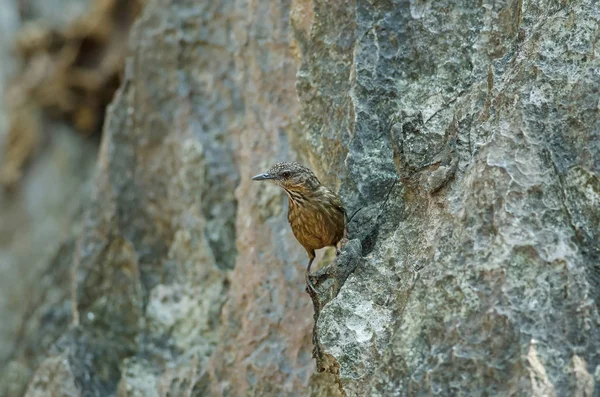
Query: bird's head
(290,176)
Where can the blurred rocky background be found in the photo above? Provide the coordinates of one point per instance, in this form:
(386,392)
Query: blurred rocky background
(138,259)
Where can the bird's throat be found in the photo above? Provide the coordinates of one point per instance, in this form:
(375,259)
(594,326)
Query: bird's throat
(296,197)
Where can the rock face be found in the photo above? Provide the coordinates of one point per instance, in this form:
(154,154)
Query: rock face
(468,133)
(39,222)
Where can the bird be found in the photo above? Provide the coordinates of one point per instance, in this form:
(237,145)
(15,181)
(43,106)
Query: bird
(315,213)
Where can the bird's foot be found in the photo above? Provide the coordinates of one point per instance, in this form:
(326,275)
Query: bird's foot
(340,245)
(309,284)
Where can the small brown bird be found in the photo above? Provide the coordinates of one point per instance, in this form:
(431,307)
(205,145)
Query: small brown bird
(316,214)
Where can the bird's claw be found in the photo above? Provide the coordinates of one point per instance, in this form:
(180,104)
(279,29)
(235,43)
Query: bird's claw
(309,284)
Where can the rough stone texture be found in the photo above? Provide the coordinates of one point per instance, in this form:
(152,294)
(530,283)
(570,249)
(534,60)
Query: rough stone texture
(506,298)
(39,222)
(469,135)
(67,72)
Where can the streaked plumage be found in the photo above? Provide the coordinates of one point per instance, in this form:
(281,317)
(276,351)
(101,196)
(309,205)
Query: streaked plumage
(316,214)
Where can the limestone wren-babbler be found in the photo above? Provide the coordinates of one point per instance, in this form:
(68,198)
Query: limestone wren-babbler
(316,214)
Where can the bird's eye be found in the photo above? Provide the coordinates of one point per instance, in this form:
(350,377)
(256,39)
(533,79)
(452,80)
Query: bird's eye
(286,174)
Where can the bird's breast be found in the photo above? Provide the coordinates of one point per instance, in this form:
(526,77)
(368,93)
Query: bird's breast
(316,222)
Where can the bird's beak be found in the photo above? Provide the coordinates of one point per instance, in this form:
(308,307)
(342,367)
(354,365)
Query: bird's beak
(262,177)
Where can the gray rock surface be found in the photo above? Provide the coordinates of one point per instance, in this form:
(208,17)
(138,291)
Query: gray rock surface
(469,135)
(39,222)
